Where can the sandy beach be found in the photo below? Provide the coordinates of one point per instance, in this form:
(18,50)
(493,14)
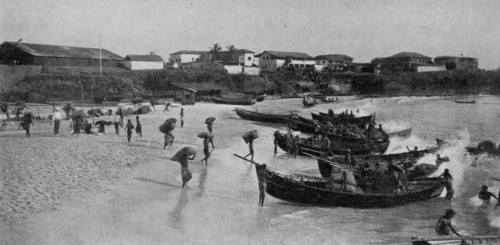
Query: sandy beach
(53,182)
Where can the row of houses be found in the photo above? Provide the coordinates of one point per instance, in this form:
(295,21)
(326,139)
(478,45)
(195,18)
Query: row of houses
(236,61)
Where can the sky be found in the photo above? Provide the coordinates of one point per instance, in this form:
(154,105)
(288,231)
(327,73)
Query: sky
(362,29)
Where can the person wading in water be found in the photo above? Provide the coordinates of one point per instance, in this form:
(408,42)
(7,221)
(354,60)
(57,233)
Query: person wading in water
(443,226)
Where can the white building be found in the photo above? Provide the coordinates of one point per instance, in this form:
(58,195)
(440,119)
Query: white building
(185,56)
(143,62)
(272,60)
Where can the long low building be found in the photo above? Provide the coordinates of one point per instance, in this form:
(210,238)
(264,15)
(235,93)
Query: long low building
(273,60)
(12,53)
(143,62)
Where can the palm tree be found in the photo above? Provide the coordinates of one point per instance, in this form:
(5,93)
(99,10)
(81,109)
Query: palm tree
(214,51)
(230,51)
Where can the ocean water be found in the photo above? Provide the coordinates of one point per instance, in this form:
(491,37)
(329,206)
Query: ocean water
(430,117)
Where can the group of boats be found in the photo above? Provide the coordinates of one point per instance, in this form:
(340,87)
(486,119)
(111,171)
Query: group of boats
(367,151)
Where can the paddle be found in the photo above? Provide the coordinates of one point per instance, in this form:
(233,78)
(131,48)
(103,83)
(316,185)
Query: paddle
(236,155)
(495,179)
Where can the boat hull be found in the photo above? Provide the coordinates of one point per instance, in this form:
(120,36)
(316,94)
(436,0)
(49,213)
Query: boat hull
(261,117)
(233,101)
(307,189)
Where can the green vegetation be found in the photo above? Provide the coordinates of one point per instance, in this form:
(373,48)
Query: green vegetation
(129,84)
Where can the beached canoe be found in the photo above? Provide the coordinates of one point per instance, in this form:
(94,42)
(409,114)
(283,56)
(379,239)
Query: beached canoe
(465,240)
(239,101)
(338,145)
(262,117)
(301,188)
(465,101)
(342,118)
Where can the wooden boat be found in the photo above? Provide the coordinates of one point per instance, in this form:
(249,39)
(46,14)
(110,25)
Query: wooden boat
(417,171)
(239,101)
(338,145)
(262,117)
(301,188)
(396,157)
(465,101)
(342,118)
(464,240)
(290,95)
(406,133)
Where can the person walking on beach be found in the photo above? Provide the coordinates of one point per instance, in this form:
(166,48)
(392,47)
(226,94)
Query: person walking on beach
(77,126)
(129,127)
(443,226)
(261,176)
(185,172)
(167,104)
(57,117)
(448,184)
(210,127)
(206,149)
(276,141)
(182,117)
(117,125)
(169,139)
(26,123)
(138,126)
(250,147)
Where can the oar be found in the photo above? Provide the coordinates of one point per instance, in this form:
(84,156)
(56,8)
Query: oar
(336,165)
(236,155)
(495,179)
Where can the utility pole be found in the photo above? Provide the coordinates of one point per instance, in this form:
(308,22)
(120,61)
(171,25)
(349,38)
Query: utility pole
(100,55)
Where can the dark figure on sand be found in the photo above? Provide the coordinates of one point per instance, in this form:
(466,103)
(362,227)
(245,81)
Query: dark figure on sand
(169,139)
(443,226)
(129,127)
(117,127)
(57,117)
(26,123)
(185,172)
(138,126)
(448,184)
(210,127)
(261,176)
(250,147)
(206,149)
(182,117)
(77,127)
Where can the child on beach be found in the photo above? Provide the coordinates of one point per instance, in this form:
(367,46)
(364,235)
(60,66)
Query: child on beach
(129,129)
(206,150)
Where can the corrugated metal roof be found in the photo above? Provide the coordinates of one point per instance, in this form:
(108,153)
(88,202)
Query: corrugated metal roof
(333,57)
(408,55)
(65,51)
(199,86)
(190,52)
(284,54)
(152,58)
